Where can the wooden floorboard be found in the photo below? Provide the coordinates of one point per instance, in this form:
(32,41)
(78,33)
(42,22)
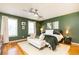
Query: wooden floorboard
(8,46)
(74,49)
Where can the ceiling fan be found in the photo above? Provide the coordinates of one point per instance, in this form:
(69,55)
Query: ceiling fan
(34,11)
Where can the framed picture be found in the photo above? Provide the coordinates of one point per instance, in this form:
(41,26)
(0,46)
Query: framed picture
(23,27)
(23,23)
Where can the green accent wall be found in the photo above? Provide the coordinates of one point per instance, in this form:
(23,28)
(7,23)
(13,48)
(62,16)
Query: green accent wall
(69,20)
(22,33)
(38,27)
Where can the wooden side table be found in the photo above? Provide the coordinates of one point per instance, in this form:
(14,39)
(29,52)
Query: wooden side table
(67,40)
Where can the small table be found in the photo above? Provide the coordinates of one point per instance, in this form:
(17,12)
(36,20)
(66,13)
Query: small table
(67,40)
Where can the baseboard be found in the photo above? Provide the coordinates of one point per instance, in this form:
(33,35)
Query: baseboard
(20,40)
(75,43)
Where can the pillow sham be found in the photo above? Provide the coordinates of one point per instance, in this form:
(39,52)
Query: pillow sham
(49,32)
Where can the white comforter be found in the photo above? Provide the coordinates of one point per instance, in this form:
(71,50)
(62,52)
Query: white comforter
(59,37)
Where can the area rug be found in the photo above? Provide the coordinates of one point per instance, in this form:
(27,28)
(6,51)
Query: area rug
(61,49)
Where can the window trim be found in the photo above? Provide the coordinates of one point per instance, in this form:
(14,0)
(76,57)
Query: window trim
(56,25)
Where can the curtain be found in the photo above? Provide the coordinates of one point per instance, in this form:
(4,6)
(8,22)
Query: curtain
(4,29)
(31,27)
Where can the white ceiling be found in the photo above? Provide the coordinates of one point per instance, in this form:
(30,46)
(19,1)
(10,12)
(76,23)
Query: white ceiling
(47,10)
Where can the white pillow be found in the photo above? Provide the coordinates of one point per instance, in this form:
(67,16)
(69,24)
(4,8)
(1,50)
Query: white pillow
(49,32)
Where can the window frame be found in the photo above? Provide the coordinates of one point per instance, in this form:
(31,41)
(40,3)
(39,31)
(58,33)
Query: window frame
(56,25)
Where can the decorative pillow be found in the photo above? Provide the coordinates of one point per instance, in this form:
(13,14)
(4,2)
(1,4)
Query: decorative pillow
(49,32)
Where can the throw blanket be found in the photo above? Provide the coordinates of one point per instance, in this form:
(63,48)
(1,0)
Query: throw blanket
(52,40)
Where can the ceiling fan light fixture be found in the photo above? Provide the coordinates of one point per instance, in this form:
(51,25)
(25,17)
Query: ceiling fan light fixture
(35,15)
(34,12)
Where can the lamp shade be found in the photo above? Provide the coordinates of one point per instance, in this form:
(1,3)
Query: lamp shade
(41,29)
(67,30)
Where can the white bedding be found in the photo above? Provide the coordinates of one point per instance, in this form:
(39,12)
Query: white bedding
(59,37)
(50,32)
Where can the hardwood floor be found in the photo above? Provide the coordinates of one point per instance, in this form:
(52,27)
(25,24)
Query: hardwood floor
(14,45)
(74,49)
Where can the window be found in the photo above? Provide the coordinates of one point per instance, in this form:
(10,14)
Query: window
(12,27)
(49,26)
(31,27)
(56,25)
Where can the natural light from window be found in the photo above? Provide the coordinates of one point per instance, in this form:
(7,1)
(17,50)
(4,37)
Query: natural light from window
(12,27)
(31,27)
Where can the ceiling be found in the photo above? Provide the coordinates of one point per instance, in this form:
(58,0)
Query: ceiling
(47,10)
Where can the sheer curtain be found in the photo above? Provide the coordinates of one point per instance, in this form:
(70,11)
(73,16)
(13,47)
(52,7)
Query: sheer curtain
(4,29)
(12,27)
(31,27)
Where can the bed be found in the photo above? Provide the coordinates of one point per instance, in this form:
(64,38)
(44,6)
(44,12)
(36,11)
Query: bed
(55,33)
(50,37)
(53,37)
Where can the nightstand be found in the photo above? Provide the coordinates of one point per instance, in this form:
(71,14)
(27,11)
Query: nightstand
(67,40)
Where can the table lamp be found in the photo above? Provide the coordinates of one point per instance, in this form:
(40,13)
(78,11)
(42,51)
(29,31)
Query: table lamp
(41,30)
